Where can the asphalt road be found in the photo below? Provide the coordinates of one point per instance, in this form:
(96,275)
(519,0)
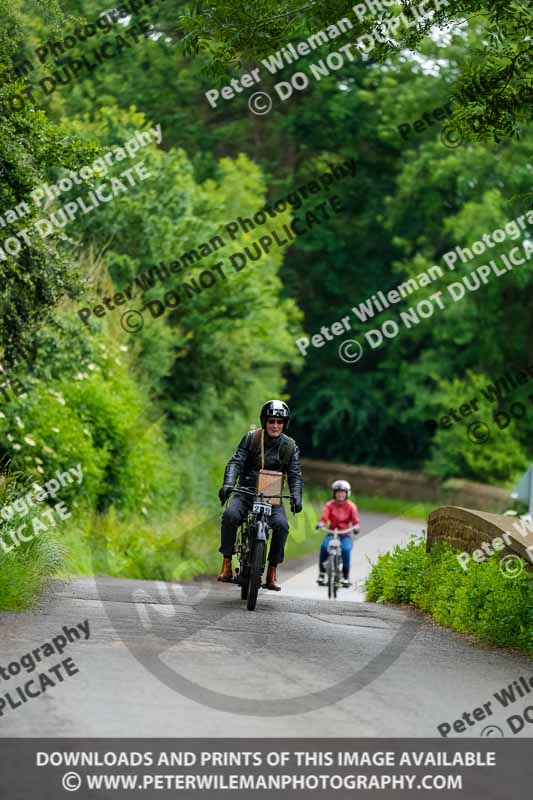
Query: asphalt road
(379,533)
(186,660)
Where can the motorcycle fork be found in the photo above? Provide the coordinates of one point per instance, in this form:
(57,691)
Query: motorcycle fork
(244,551)
(261,534)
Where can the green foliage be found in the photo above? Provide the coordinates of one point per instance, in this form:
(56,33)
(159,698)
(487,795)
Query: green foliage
(24,572)
(396,576)
(459,194)
(494,87)
(501,458)
(96,416)
(94,400)
(480,601)
(24,569)
(34,280)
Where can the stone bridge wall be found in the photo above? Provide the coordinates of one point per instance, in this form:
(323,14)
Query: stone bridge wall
(415,487)
(467,530)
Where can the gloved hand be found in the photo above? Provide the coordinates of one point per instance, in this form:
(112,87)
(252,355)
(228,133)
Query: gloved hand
(224,493)
(296,505)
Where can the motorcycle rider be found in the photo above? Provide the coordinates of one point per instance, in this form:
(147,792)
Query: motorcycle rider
(339,513)
(281,453)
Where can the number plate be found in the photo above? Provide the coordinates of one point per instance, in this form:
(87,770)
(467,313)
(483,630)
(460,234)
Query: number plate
(262,507)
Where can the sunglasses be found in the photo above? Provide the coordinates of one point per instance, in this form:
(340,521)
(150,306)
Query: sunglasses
(275,421)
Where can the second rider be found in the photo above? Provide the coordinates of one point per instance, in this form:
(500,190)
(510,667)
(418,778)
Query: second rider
(339,514)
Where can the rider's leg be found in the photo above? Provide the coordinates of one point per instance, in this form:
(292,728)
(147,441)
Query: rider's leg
(324,551)
(276,555)
(280,530)
(322,556)
(346,550)
(231,519)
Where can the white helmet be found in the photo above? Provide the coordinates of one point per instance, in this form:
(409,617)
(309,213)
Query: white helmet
(341,485)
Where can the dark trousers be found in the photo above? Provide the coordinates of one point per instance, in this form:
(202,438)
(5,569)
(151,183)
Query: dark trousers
(233,516)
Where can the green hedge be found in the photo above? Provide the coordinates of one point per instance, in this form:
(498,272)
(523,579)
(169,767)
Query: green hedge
(480,601)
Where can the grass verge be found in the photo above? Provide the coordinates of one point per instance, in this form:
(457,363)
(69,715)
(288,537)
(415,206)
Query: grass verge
(179,547)
(480,601)
(25,566)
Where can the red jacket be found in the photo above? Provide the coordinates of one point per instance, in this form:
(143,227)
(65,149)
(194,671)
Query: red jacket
(340,515)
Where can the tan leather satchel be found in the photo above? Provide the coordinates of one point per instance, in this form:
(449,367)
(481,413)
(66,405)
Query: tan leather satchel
(269,481)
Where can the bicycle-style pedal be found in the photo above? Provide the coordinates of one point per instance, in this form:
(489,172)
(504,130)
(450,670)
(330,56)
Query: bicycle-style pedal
(239,579)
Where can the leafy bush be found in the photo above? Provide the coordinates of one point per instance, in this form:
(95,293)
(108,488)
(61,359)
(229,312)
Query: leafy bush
(501,459)
(96,415)
(396,576)
(479,601)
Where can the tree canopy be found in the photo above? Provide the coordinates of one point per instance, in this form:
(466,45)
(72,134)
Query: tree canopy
(416,196)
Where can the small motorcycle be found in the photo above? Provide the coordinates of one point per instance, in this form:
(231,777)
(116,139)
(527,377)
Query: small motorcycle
(251,545)
(333,562)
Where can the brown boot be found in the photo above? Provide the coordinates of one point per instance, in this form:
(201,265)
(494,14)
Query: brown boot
(271,580)
(226,575)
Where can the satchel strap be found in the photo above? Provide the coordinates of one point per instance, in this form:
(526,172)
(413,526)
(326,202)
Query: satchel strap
(287,448)
(258,444)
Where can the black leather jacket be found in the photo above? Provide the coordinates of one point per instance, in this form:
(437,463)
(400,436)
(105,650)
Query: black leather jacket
(245,464)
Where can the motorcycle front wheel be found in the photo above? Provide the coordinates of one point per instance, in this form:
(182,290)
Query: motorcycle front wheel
(330,572)
(256,571)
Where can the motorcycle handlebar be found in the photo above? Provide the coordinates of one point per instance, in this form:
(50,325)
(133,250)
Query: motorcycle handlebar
(351,529)
(259,494)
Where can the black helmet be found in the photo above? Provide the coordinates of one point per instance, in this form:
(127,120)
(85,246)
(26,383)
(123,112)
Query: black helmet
(275,408)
